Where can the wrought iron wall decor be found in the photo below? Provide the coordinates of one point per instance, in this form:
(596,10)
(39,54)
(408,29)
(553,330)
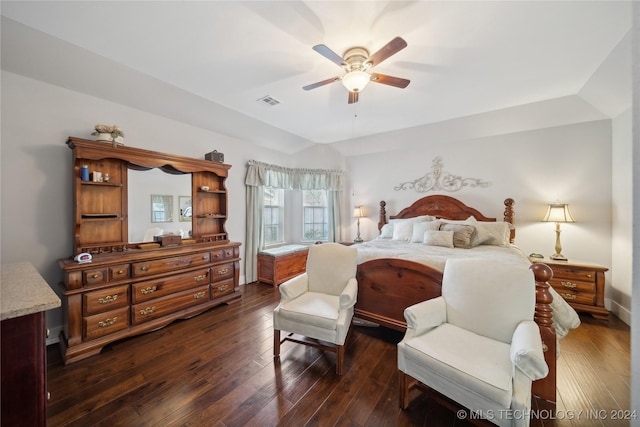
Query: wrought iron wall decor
(440,180)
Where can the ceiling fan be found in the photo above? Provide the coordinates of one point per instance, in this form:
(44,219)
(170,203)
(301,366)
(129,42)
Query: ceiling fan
(357,63)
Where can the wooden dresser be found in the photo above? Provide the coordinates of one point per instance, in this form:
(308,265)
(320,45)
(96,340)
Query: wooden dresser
(581,284)
(123,294)
(129,288)
(277,265)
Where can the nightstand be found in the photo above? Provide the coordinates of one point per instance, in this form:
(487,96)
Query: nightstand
(581,284)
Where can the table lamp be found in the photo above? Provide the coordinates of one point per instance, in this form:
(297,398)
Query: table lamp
(558,212)
(358,213)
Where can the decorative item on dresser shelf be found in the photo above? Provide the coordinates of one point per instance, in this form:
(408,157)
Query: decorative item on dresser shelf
(581,284)
(558,213)
(107,133)
(168,239)
(358,213)
(134,287)
(214,156)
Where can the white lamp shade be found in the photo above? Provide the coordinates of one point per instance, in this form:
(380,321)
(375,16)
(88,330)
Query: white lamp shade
(558,213)
(358,212)
(356,80)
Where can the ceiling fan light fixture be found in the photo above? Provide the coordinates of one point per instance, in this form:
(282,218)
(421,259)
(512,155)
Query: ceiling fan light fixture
(356,80)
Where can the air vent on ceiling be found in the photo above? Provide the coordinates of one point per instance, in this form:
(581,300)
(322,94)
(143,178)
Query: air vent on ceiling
(269,101)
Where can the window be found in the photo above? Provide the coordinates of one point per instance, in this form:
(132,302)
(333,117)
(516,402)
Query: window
(315,214)
(273,216)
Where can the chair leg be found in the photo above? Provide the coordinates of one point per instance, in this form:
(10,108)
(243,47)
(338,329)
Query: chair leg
(403,379)
(276,343)
(339,359)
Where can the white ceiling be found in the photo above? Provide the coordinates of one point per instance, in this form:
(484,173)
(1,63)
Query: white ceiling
(463,58)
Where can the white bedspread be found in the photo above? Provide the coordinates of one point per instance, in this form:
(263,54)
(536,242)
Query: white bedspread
(564,317)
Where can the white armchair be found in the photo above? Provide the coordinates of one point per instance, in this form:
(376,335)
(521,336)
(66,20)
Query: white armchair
(477,344)
(318,304)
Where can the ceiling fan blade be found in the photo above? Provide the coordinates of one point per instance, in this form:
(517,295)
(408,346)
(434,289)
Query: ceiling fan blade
(322,83)
(391,48)
(353,97)
(390,80)
(329,54)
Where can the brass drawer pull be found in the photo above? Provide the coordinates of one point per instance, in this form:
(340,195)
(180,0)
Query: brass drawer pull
(570,285)
(217,255)
(95,276)
(108,299)
(589,275)
(148,310)
(223,288)
(200,278)
(144,268)
(223,271)
(205,257)
(199,295)
(570,297)
(120,272)
(108,322)
(148,290)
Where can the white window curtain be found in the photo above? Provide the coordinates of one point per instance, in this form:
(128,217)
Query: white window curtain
(260,175)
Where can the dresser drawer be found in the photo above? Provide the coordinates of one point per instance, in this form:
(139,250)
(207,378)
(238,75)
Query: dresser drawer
(96,276)
(219,289)
(119,272)
(105,323)
(574,274)
(169,304)
(222,272)
(222,254)
(145,291)
(146,268)
(583,293)
(105,300)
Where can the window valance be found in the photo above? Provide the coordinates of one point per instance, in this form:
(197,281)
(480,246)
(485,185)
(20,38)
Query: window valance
(263,174)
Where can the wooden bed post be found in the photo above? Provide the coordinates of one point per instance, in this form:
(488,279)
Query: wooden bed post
(382,218)
(510,217)
(545,388)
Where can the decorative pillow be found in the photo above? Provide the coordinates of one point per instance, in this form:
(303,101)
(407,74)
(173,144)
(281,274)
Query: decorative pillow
(420,227)
(386,232)
(497,233)
(438,238)
(402,230)
(462,234)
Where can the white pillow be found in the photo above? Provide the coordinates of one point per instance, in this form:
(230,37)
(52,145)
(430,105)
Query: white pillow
(420,227)
(438,238)
(386,232)
(402,230)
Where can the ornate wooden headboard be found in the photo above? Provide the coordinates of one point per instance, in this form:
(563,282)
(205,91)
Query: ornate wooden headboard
(446,207)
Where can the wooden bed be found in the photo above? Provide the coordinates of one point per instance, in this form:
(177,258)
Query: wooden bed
(380,279)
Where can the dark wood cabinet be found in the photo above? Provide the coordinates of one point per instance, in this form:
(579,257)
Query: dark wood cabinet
(25,298)
(24,371)
(131,288)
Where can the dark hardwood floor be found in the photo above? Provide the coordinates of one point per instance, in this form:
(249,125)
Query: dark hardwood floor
(217,369)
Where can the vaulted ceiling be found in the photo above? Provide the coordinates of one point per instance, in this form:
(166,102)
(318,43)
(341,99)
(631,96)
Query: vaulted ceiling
(211,62)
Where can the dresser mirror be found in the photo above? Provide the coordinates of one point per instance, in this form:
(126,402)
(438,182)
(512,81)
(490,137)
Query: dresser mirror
(156,200)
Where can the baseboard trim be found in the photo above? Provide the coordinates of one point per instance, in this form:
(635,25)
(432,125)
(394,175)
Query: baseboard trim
(621,312)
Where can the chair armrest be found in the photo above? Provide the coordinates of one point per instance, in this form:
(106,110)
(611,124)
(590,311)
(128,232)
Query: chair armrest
(526,350)
(294,287)
(425,315)
(349,295)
